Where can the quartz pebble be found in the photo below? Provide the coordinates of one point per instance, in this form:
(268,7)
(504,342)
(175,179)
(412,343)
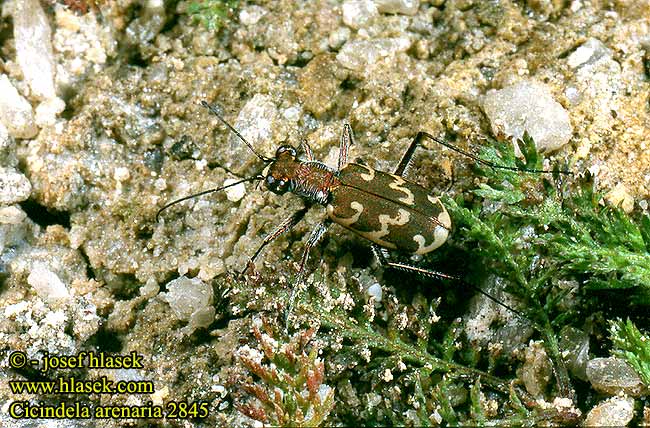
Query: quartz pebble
(528,106)
(255,122)
(14,187)
(614,375)
(11,215)
(614,412)
(404,7)
(33,38)
(358,54)
(359,13)
(16,113)
(234,193)
(190,300)
(47,284)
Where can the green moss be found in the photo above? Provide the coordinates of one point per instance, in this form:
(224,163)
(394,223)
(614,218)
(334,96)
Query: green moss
(633,346)
(212,13)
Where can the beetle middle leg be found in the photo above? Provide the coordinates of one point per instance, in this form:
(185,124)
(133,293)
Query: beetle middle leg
(314,238)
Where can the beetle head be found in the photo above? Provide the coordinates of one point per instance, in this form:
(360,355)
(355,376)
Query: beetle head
(279,174)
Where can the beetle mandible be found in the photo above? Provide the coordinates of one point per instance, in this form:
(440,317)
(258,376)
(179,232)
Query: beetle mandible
(385,208)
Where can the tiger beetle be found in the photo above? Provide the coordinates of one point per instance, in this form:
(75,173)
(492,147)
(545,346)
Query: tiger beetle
(390,211)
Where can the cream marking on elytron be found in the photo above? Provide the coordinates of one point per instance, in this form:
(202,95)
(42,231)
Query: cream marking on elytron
(371,173)
(409,199)
(346,221)
(440,233)
(385,220)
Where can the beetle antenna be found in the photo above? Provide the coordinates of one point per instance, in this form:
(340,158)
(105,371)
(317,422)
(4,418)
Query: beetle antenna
(241,137)
(488,163)
(205,192)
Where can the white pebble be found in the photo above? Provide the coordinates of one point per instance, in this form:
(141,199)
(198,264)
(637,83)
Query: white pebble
(16,113)
(47,284)
(359,13)
(47,111)
(404,7)
(528,106)
(358,54)
(251,15)
(14,187)
(11,215)
(234,193)
(375,293)
(292,114)
(121,174)
(33,38)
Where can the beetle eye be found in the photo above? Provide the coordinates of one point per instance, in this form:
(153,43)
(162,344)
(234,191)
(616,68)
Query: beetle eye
(283,149)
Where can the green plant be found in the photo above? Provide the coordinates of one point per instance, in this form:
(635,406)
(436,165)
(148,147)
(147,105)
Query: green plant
(212,13)
(633,346)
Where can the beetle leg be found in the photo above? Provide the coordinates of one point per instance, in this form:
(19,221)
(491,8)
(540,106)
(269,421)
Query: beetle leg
(283,227)
(408,155)
(307,149)
(380,254)
(315,236)
(347,138)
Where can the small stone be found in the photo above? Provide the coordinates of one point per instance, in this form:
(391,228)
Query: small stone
(250,15)
(14,187)
(15,111)
(358,54)
(338,37)
(234,193)
(190,300)
(614,375)
(374,292)
(614,412)
(536,371)
(589,52)
(121,174)
(47,111)
(11,215)
(47,284)
(33,38)
(404,7)
(620,197)
(292,114)
(574,345)
(528,106)
(359,13)
(256,122)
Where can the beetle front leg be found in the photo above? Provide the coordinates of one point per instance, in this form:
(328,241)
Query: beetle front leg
(306,148)
(283,227)
(347,138)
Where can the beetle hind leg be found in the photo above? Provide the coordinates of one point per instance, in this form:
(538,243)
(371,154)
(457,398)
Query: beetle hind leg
(381,255)
(408,155)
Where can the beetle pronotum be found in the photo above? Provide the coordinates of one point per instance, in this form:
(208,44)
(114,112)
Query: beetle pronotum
(385,208)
